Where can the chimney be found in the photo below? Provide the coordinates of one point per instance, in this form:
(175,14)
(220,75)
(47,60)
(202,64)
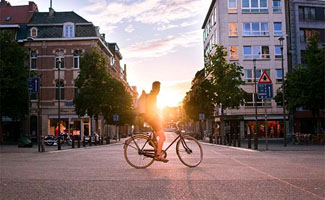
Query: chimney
(51,10)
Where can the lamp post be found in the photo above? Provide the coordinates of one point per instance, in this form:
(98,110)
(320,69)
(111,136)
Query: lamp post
(59,54)
(283,95)
(29,39)
(255,101)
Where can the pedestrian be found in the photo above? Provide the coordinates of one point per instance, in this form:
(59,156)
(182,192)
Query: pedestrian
(217,133)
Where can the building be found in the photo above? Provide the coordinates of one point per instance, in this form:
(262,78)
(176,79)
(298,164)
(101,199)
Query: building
(56,41)
(250,30)
(304,18)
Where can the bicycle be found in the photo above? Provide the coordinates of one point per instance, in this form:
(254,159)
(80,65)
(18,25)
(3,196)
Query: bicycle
(140,150)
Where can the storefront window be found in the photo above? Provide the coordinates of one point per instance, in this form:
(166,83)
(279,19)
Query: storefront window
(274,129)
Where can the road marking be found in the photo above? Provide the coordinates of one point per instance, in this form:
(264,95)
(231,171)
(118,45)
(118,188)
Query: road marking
(230,147)
(278,179)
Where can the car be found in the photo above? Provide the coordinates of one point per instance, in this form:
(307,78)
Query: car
(25,141)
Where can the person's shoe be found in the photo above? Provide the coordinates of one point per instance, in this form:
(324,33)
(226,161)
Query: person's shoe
(161,159)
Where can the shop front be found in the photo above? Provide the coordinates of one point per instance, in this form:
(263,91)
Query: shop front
(71,124)
(273,126)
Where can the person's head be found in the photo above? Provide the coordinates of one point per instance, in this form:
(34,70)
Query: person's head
(156,87)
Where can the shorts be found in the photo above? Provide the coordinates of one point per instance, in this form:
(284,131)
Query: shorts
(154,122)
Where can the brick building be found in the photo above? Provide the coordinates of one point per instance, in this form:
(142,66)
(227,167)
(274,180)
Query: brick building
(57,40)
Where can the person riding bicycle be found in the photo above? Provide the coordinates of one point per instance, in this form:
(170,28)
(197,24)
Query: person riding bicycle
(151,116)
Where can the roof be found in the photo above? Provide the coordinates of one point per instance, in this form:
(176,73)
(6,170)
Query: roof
(208,14)
(17,14)
(56,18)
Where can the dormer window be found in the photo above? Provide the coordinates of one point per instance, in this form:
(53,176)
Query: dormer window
(68,30)
(33,32)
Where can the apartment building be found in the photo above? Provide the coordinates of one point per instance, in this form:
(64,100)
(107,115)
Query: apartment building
(304,18)
(56,41)
(250,30)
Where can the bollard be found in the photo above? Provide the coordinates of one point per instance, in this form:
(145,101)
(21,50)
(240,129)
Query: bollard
(95,140)
(107,140)
(42,144)
(90,144)
(59,143)
(239,139)
(249,141)
(78,141)
(102,140)
(235,134)
(84,142)
(72,141)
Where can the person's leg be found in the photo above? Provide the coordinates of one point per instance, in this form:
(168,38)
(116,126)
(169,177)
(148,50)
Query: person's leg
(161,141)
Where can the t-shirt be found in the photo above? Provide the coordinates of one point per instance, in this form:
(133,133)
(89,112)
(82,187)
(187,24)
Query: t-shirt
(151,103)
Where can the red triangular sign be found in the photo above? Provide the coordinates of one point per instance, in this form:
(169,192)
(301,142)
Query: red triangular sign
(264,78)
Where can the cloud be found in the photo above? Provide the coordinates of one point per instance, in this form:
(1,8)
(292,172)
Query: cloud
(184,24)
(154,12)
(166,27)
(163,46)
(129,28)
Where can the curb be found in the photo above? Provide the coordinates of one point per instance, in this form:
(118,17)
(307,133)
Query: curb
(230,147)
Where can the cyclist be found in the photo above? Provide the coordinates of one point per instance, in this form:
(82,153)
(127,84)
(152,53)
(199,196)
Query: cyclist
(152,118)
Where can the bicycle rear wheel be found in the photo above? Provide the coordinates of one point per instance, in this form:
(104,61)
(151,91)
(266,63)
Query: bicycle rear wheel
(139,151)
(189,151)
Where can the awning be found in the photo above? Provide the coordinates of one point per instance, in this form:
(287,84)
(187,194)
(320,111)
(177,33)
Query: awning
(269,117)
(67,116)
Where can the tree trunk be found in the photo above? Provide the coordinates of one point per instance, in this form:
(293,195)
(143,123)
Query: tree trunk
(222,129)
(1,136)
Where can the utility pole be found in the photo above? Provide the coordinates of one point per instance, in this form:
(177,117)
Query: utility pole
(283,95)
(255,101)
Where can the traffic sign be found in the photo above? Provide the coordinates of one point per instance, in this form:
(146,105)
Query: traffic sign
(265,91)
(116,118)
(265,78)
(34,85)
(201,117)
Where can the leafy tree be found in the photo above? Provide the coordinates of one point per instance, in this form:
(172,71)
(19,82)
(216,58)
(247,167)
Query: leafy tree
(118,101)
(199,101)
(225,79)
(304,86)
(92,81)
(13,79)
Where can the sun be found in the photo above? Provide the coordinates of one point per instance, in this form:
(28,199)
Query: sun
(168,99)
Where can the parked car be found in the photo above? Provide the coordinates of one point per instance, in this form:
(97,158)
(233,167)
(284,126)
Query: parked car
(24,141)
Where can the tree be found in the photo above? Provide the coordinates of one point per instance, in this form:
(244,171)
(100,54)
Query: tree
(304,86)
(226,80)
(92,81)
(13,79)
(118,101)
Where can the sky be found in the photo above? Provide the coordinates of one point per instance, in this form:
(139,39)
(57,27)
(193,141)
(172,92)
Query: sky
(160,40)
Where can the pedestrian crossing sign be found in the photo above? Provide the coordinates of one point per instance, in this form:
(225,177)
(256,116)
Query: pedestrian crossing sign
(265,78)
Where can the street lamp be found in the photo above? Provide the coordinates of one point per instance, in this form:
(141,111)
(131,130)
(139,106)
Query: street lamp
(255,100)
(59,54)
(29,39)
(283,93)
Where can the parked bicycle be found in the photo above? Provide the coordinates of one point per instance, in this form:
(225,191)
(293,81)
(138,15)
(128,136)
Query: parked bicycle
(140,150)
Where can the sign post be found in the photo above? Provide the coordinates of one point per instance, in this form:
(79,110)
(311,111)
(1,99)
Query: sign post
(265,92)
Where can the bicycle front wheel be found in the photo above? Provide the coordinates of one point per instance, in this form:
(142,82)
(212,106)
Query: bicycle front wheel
(189,151)
(139,151)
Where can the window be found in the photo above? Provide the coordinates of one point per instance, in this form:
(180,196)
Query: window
(254,6)
(248,76)
(33,32)
(311,14)
(276,4)
(57,62)
(76,59)
(256,52)
(233,52)
(112,60)
(232,6)
(256,29)
(59,93)
(68,30)
(306,33)
(233,29)
(250,101)
(278,75)
(277,52)
(76,91)
(277,28)
(33,57)
(59,59)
